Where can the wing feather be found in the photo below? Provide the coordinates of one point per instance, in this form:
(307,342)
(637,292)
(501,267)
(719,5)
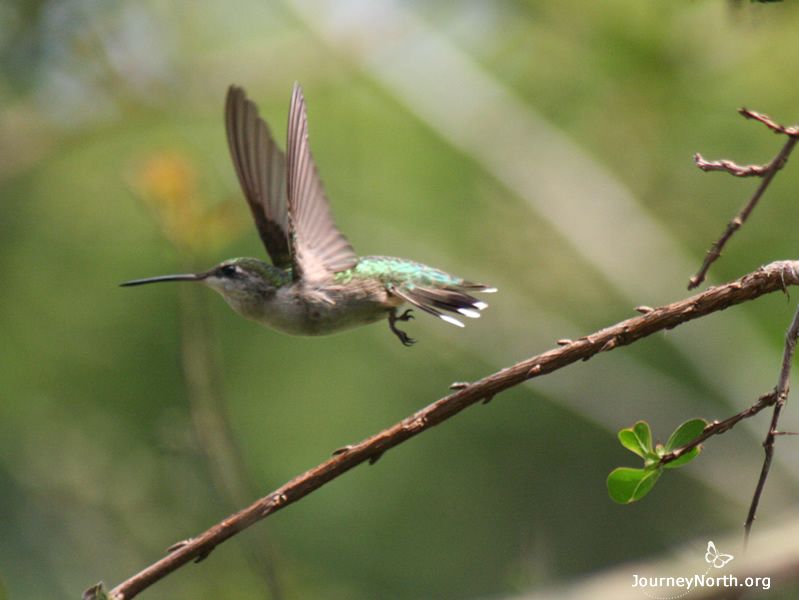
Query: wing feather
(318,248)
(261,169)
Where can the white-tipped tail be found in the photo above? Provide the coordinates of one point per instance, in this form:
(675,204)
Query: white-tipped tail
(451,320)
(436,300)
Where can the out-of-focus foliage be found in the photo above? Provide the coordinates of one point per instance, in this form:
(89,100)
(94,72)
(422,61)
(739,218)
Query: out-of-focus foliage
(113,165)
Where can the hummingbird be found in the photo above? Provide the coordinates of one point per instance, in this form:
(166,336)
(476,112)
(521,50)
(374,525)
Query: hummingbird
(316,284)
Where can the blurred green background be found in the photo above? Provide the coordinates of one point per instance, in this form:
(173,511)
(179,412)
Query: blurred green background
(544,148)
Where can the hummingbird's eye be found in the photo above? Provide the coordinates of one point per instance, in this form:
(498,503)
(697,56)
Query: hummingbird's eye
(228,271)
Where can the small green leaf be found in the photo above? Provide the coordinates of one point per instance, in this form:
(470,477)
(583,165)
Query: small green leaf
(626,485)
(685,433)
(685,458)
(637,439)
(652,461)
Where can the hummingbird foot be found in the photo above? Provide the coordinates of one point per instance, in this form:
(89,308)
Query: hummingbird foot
(393,317)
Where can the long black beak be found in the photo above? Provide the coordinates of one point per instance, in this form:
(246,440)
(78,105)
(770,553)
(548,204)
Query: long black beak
(184,277)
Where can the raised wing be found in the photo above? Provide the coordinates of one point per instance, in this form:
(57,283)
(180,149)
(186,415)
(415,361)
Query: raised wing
(261,168)
(318,249)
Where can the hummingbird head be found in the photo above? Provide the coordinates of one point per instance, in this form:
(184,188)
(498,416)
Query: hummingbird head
(245,283)
(239,279)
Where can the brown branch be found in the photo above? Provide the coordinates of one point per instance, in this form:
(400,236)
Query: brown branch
(730,167)
(767,172)
(777,398)
(212,429)
(773,277)
(719,427)
(780,396)
(768,122)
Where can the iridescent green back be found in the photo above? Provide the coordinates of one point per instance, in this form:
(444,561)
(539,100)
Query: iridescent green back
(398,271)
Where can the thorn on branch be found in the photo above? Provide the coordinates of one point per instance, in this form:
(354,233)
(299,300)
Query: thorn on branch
(178,545)
(609,345)
(276,500)
(565,342)
(459,385)
(644,310)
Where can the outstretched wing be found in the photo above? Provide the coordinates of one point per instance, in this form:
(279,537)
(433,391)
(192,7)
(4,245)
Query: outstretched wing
(261,168)
(318,249)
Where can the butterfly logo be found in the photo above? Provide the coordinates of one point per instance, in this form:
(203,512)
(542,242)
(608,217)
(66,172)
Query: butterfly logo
(716,558)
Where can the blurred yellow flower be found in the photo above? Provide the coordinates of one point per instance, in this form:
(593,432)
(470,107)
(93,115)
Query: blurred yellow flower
(166,182)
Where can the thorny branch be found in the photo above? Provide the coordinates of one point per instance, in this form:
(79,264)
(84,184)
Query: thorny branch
(780,396)
(767,172)
(776,398)
(719,427)
(770,278)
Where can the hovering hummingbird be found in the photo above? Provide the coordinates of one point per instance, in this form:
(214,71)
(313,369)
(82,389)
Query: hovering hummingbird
(316,284)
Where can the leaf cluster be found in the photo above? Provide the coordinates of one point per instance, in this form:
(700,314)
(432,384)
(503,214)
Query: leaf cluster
(627,484)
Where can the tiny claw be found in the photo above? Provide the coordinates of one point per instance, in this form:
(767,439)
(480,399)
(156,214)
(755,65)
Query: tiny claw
(406,339)
(375,457)
(393,318)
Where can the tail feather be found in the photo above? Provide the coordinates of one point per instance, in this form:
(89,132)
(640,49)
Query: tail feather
(453,298)
(477,287)
(412,298)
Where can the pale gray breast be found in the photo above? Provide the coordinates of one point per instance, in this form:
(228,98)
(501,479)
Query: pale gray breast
(319,311)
